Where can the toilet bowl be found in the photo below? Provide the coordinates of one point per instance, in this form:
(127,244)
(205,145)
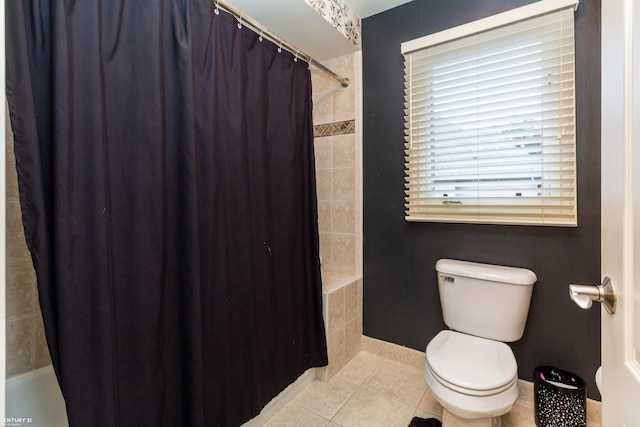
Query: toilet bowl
(469,369)
(472,378)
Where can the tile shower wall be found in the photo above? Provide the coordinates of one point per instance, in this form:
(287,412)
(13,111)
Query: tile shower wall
(26,347)
(338,148)
(342,311)
(338,151)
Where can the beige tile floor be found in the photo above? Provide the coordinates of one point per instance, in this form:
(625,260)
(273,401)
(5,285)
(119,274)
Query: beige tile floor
(372,391)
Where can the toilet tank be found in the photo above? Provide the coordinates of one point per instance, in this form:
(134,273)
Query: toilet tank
(484,300)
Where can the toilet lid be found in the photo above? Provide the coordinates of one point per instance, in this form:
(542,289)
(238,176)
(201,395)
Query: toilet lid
(471,363)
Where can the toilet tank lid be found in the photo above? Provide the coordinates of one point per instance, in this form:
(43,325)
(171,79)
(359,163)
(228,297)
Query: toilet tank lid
(494,273)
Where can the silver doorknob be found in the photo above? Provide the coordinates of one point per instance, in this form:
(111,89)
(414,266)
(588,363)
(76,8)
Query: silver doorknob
(585,295)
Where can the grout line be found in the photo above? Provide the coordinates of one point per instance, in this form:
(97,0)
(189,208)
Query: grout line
(417,411)
(379,364)
(374,371)
(313,412)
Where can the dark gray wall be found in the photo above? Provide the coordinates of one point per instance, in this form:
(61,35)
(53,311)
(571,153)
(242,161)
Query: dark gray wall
(401,302)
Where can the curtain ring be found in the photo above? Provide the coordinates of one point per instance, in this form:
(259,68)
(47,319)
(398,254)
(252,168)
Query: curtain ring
(280,46)
(296,55)
(261,31)
(240,20)
(216,10)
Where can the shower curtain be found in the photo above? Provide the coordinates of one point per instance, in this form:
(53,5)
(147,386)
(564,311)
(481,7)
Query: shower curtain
(167,183)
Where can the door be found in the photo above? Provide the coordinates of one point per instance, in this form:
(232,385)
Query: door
(621,210)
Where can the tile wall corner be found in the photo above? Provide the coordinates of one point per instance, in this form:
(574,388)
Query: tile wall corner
(338,151)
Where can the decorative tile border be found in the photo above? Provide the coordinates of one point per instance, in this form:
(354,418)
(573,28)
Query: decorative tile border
(336,128)
(340,15)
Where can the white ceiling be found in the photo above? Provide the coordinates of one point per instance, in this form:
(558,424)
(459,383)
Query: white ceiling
(366,8)
(297,23)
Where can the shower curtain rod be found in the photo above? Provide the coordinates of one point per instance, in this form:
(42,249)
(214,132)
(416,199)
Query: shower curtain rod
(265,32)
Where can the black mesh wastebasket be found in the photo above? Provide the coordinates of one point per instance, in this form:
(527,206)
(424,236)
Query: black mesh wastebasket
(560,398)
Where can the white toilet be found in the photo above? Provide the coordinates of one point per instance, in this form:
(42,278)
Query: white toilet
(469,369)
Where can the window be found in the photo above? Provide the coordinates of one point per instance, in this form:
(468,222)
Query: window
(489,120)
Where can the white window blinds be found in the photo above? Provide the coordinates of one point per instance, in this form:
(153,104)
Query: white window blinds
(490,122)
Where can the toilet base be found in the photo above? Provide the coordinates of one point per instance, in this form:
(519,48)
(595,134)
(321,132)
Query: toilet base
(450,420)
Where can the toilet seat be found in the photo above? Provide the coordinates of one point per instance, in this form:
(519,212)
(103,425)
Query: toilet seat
(470,392)
(471,365)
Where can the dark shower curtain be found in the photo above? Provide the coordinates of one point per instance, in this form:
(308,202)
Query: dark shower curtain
(166,173)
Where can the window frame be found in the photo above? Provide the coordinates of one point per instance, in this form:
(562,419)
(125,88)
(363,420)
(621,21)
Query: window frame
(456,211)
